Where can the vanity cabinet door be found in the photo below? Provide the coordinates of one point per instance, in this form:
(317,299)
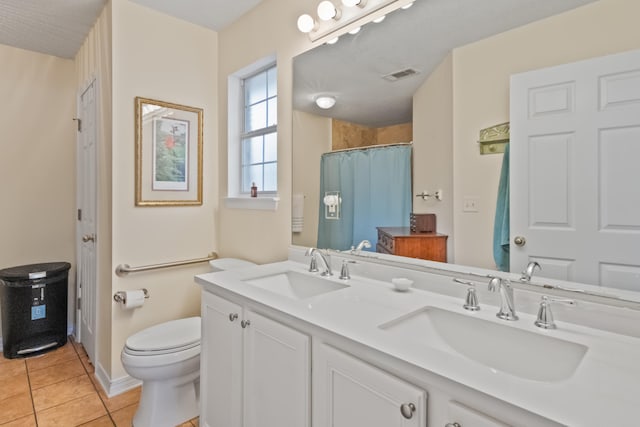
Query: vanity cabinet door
(348,392)
(220,363)
(276,374)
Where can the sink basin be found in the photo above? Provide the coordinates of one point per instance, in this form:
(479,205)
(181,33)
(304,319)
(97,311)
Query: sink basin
(500,347)
(295,285)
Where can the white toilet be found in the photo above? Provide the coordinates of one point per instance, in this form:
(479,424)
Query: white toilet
(166,357)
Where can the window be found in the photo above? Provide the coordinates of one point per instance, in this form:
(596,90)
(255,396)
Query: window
(258,135)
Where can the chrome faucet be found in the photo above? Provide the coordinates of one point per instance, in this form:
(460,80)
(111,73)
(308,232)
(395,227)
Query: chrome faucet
(313,266)
(364,244)
(527,274)
(507,303)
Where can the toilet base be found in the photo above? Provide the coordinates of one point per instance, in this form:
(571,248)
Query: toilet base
(168,404)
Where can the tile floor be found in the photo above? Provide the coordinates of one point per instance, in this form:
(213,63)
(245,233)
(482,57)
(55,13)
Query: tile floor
(59,389)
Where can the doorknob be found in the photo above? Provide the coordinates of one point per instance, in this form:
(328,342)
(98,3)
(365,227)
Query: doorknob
(88,238)
(519,240)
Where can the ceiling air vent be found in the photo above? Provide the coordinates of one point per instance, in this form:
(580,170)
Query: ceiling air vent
(407,72)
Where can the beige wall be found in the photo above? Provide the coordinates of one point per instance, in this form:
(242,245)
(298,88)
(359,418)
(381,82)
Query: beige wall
(37,160)
(261,236)
(312,134)
(432,148)
(481,99)
(93,62)
(163,58)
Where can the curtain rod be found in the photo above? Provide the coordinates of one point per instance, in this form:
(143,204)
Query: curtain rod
(370,146)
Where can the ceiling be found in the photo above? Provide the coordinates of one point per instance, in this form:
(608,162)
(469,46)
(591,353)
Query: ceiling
(59,27)
(418,38)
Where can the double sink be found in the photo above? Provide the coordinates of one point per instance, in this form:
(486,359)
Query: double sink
(496,344)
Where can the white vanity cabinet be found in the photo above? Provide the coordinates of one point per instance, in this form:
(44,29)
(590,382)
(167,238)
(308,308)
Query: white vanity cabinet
(255,372)
(348,392)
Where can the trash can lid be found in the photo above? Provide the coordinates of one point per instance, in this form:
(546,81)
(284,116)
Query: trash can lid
(34,271)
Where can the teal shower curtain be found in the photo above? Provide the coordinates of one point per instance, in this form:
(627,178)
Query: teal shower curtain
(375,188)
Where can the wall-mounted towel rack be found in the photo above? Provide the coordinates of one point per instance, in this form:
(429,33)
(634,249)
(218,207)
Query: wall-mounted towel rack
(124,269)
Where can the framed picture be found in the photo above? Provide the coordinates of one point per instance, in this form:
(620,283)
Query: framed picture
(168,154)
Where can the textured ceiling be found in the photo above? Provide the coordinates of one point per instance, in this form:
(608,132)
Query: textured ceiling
(59,27)
(54,27)
(419,37)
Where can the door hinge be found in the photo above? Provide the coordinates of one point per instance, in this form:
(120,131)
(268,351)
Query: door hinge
(79,121)
(79,214)
(79,303)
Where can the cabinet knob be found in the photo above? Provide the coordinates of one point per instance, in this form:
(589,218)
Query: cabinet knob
(233,316)
(245,323)
(453,425)
(407,410)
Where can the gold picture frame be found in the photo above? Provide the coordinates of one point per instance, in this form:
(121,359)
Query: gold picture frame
(168,154)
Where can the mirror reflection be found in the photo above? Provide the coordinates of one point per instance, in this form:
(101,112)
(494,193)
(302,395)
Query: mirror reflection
(452,74)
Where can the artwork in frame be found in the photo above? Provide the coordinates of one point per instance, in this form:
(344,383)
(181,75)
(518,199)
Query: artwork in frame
(168,153)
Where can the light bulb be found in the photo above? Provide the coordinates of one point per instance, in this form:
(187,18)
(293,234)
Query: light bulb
(355,30)
(306,23)
(325,102)
(407,6)
(327,10)
(333,40)
(351,3)
(380,19)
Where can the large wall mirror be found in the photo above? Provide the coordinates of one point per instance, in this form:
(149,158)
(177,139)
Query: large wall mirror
(402,71)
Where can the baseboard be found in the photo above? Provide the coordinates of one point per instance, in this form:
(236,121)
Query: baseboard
(117,386)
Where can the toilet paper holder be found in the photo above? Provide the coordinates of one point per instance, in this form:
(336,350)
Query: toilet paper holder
(121,296)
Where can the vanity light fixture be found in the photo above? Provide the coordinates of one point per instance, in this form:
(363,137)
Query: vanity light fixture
(328,11)
(351,3)
(325,101)
(306,23)
(332,21)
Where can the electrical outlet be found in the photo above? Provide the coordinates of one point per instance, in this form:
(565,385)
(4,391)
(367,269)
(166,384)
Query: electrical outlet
(470,204)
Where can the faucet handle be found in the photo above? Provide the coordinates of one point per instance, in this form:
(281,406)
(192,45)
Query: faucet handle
(344,272)
(471,300)
(545,316)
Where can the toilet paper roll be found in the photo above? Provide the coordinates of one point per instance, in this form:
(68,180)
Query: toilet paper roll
(134,299)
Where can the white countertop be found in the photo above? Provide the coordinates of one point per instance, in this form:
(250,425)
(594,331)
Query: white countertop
(603,391)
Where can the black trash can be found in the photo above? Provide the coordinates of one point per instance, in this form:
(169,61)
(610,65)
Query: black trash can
(33,301)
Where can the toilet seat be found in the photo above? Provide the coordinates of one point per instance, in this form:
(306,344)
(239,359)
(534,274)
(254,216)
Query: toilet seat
(169,337)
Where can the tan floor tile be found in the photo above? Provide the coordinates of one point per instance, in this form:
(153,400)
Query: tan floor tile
(53,374)
(14,385)
(100,422)
(124,417)
(12,367)
(72,413)
(28,421)
(59,355)
(15,407)
(127,398)
(62,392)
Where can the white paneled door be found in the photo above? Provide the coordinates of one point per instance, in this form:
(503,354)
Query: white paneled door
(86,216)
(575,171)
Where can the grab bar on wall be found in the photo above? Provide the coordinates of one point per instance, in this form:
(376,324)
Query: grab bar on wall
(124,269)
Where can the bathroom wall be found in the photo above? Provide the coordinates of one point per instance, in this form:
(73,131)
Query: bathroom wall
(163,58)
(312,134)
(261,236)
(432,148)
(37,160)
(481,99)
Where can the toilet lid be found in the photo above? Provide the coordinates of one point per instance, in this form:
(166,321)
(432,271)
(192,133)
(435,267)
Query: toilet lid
(172,335)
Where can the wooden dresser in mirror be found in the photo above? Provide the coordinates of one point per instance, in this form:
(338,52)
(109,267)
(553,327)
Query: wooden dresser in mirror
(404,242)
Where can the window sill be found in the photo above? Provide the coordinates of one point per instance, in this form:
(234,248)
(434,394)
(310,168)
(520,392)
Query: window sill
(256,203)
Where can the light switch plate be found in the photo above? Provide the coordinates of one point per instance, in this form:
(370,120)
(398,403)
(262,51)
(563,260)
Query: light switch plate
(470,204)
